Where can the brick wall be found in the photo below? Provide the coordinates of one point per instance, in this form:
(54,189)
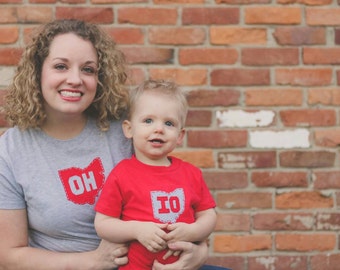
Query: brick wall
(263,123)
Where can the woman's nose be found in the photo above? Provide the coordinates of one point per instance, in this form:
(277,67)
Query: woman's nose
(74,77)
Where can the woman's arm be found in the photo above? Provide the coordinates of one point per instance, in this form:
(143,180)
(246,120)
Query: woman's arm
(192,256)
(16,255)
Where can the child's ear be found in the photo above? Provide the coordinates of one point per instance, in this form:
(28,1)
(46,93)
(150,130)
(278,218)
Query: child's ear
(126,125)
(180,136)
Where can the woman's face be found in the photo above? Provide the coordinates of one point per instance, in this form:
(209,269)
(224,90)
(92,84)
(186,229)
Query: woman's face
(69,76)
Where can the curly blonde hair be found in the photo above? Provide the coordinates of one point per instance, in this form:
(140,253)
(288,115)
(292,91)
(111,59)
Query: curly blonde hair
(165,87)
(24,101)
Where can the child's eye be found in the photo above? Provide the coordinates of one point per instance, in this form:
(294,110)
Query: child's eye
(169,123)
(148,121)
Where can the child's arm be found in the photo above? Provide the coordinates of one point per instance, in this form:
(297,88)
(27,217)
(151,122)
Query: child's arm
(149,234)
(197,231)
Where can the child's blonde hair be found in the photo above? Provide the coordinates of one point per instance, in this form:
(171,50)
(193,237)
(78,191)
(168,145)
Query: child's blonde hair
(24,102)
(168,88)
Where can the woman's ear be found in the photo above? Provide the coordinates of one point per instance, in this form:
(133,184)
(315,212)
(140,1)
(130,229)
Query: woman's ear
(126,125)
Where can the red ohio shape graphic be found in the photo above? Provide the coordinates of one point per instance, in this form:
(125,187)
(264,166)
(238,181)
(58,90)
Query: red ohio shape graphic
(82,185)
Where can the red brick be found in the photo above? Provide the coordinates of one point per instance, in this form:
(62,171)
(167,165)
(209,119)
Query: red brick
(302,200)
(321,56)
(232,262)
(303,76)
(10,56)
(193,76)
(239,2)
(338,77)
(241,243)
(244,200)
(148,55)
(91,14)
(240,160)
(135,75)
(324,96)
(327,137)
(117,1)
(200,158)
(270,56)
(325,261)
(222,35)
(147,15)
(206,56)
(232,222)
(305,242)
(279,179)
(274,97)
(34,14)
(3,122)
(55,1)
(210,16)
(326,180)
(11,1)
(209,98)
(299,35)
(240,77)
(322,16)
(307,159)
(225,180)
(217,138)
(9,35)
(199,118)
(308,117)
(278,263)
(177,35)
(178,1)
(127,35)
(276,221)
(8,15)
(306,2)
(274,15)
(337,36)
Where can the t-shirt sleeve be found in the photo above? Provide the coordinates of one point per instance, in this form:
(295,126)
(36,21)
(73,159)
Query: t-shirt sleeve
(206,199)
(11,193)
(110,199)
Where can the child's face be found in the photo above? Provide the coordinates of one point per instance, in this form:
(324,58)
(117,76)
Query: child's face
(155,127)
(69,75)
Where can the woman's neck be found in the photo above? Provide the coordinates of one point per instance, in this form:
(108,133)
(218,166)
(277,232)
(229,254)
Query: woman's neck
(65,128)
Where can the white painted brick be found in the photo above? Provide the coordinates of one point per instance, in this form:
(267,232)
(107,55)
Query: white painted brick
(6,75)
(240,118)
(298,138)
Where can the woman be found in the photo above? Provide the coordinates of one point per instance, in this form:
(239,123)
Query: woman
(64,104)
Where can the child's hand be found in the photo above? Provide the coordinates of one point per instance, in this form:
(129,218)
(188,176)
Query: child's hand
(179,232)
(152,236)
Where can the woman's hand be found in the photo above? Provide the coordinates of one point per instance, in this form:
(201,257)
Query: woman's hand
(110,255)
(192,256)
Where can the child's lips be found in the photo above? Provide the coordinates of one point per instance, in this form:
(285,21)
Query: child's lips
(159,141)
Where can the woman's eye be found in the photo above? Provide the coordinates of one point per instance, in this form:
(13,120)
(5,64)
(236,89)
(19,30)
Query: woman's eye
(60,67)
(89,70)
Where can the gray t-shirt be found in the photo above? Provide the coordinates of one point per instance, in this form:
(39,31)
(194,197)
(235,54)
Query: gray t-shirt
(58,182)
